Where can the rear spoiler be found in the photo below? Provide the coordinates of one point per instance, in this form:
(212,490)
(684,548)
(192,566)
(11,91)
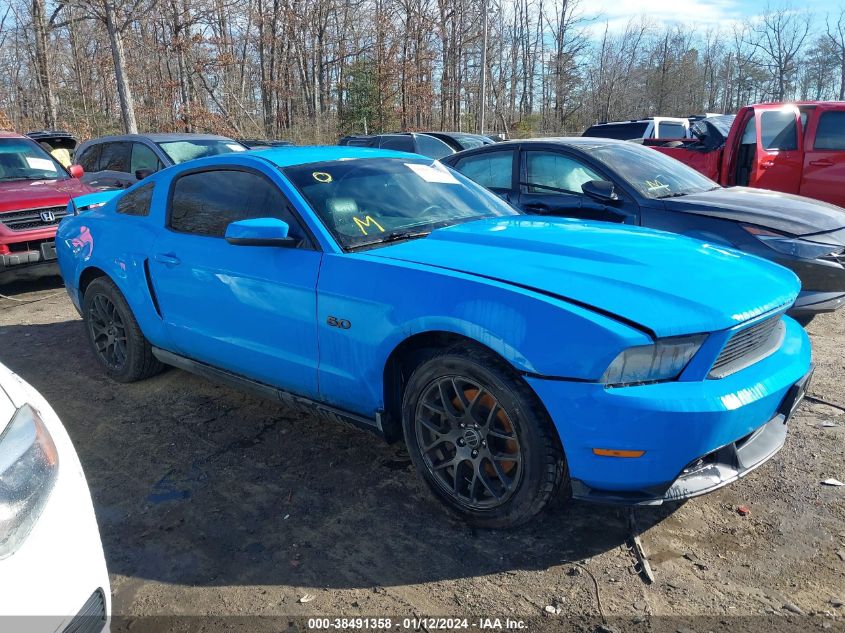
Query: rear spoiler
(90,201)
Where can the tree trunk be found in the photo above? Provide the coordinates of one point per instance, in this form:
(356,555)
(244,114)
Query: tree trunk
(124,92)
(42,63)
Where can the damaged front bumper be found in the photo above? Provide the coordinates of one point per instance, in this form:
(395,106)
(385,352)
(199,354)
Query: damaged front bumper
(717,468)
(687,437)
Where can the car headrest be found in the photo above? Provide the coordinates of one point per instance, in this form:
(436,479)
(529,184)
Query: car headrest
(342,207)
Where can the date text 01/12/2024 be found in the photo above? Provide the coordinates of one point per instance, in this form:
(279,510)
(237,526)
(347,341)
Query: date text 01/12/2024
(415,624)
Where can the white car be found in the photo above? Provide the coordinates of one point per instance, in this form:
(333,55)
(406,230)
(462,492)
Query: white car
(51,557)
(652,127)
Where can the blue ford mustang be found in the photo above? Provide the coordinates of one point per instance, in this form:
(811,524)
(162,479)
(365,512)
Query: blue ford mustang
(514,354)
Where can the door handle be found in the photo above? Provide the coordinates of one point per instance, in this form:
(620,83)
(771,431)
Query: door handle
(168,259)
(767,164)
(822,162)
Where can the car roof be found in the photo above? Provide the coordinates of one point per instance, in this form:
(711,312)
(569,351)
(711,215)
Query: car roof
(290,156)
(161,137)
(577,142)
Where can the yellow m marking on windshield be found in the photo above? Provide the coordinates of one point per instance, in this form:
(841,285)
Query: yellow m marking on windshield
(366,223)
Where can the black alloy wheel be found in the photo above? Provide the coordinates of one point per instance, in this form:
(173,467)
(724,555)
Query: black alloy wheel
(468,442)
(108,333)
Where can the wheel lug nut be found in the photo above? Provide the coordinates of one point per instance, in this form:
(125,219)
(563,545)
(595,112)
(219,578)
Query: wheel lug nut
(475,453)
(460,442)
(484,442)
(463,425)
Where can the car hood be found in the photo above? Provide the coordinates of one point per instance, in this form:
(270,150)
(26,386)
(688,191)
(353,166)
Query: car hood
(782,212)
(664,283)
(33,194)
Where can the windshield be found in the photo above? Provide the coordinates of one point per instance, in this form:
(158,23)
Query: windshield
(189,149)
(21,159)
(370,201)
(652,174)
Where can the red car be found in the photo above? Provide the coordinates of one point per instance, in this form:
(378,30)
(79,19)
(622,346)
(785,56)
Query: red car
(790,147)
(34,192)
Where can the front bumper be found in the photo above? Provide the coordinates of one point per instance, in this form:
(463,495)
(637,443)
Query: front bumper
(23,249)
(696,435)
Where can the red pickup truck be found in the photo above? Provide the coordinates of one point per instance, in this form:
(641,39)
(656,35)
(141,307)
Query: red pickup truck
(790,147)
(34,192)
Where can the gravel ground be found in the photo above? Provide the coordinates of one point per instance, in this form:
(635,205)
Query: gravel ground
(215,503)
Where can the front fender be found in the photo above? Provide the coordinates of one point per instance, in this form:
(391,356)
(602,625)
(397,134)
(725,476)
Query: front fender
(387,301)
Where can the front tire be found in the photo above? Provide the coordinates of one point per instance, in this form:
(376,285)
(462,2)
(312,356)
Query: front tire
(481,440)
(115,337)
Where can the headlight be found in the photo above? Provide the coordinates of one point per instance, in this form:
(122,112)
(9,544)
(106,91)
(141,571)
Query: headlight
(664,360)
(28,467)
(793,246)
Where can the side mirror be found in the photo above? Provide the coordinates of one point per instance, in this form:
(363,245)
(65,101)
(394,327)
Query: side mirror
(259,232)
(600,190)
(76,171)
(140,174)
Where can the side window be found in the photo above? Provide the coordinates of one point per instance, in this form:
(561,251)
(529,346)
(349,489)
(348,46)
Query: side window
(90,158)
(137,201)
(143,158)
(778,130)
(830,133)
(551,172)
(115,157)
(206,202)
(749,134)
(490,169)
(432,147)
(671,129)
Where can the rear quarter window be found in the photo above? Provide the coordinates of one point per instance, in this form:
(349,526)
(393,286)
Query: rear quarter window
(830,133)
(89,159)
(137,201)
(491,169)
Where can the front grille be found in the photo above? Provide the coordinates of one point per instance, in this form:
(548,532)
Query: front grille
(31,218)
(749,346)
(91,617)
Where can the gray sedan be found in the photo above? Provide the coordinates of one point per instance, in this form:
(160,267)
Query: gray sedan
(116,162)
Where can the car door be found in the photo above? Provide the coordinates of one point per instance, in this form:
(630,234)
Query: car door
(780,155)
(143,158)
(250,310)
(493,169)
(824,159)
(550,184)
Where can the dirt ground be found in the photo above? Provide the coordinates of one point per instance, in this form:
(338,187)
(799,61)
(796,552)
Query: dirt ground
(212,502)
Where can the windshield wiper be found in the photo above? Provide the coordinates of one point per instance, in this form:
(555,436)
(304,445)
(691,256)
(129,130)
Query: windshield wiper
(676,194)
(392,237)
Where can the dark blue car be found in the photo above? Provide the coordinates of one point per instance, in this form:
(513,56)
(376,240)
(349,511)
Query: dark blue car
(513,353)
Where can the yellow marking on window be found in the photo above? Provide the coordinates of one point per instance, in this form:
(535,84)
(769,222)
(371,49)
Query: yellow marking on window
(366,223)
(321,176)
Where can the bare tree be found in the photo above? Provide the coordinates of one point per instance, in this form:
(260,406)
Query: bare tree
(836,35)
(779,36)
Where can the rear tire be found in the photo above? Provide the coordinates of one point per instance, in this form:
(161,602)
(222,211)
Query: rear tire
(480,438)
(115,337)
